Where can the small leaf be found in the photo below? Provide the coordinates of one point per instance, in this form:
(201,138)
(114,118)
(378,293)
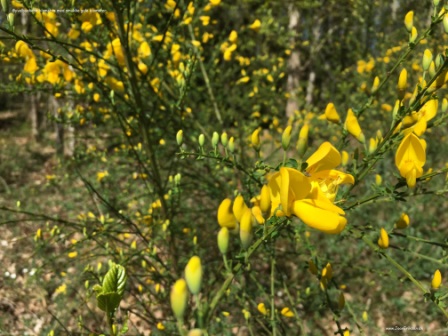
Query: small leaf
(115,280)
(108,302)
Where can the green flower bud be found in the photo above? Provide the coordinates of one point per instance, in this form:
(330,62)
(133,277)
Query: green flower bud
(444,105)
(223,240)
(432,69)
(193,274)
(180,137)
(11,19)
(179,297)
(224,139)
(445,23)
(201,140)
(231,145)
(5,6)
(427,59)
(286,137)
(413,36)
(246,234)
(215,139)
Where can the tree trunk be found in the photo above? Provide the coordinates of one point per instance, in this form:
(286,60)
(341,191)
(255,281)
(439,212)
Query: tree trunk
(293,79)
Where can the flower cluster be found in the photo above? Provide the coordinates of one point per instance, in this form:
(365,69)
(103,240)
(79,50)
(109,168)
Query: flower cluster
(307,195)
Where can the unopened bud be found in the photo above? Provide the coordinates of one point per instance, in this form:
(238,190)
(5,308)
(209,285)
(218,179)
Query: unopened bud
(302,143)
(403,222)
(432,69)
(201,140)
(413,36)
(376,83)
(445,23)
(383,241)
(436,280)
(402,83)
(439,61)
(193,275)
(11,20)
(179,297)
(215,139)
(180,137)
(286,137)
(409,21)
(5,6)
(231,145)
(255,139)
(224,139)
(223,240)
(427,59)
(444,105)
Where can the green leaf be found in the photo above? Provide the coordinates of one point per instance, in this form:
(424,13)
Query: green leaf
(108,302)
(115,280)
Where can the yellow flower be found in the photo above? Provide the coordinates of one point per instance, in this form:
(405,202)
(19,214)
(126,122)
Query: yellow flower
(262,309)
(383,241)
(144,50)
(215,2)
(352,126)
(178,298)
(331,114)
(101,175)
(287,312)
(403,221)
(233,37)
(31,65)
(225,215)
(436,280)
(410,158)
(321,166)
(287,186)
(256,25)
(73,254)
(193,274)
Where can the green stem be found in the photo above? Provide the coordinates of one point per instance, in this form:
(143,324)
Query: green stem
(206,79)
(405,272)
(220,293)
(273,317)
(110,321)
(200,312)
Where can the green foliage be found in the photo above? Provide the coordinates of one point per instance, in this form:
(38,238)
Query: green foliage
(110,294)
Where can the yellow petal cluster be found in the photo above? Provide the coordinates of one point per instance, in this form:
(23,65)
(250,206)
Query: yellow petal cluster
(410,158)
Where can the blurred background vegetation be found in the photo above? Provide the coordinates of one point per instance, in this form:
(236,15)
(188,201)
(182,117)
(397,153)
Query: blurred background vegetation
(89,111)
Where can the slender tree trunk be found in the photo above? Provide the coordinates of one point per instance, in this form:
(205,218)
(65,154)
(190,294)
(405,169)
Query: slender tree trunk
(293,79)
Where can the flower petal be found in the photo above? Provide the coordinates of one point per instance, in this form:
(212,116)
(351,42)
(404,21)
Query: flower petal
(326,157)
(318,218)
